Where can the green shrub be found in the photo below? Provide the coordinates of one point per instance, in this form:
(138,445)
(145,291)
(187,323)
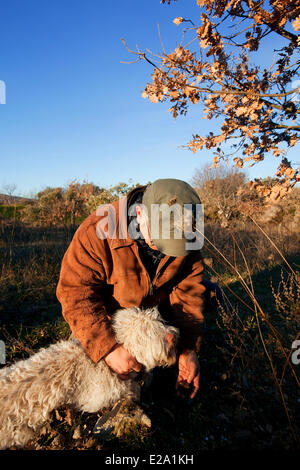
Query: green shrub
(11,211)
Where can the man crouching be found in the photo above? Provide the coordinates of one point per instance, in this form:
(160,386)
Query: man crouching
(121,257)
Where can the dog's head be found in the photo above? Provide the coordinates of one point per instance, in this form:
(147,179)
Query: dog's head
(146,336)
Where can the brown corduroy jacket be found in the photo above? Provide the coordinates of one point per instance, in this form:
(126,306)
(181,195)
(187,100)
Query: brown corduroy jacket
(102,274)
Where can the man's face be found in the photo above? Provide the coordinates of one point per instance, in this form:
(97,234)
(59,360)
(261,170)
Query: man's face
(144,227)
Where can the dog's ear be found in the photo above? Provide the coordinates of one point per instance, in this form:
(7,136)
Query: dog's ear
(170,339)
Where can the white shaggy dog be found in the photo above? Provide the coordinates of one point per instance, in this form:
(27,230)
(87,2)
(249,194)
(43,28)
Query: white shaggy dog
(63,374)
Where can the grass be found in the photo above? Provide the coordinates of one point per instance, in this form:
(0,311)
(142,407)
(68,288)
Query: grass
(249,396)
(29,271)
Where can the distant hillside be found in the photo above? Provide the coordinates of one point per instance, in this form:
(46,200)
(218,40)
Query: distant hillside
(7,199)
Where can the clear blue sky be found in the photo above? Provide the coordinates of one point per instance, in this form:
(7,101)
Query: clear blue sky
(74,111)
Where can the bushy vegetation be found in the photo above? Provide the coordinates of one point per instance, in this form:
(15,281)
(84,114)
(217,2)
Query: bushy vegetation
(224,191)
(227,198)
(11,211)
(70,205)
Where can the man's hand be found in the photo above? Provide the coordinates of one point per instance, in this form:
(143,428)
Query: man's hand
(122,362)
(189,371)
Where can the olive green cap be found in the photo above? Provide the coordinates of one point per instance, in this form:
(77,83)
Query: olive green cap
(169,191)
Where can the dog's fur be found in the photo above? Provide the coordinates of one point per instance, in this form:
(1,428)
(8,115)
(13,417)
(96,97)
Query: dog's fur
(63,374)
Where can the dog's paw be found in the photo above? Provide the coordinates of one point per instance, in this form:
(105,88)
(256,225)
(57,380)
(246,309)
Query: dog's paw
(124,416)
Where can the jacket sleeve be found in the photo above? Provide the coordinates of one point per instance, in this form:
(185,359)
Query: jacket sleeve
(82,278)
(188,303)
